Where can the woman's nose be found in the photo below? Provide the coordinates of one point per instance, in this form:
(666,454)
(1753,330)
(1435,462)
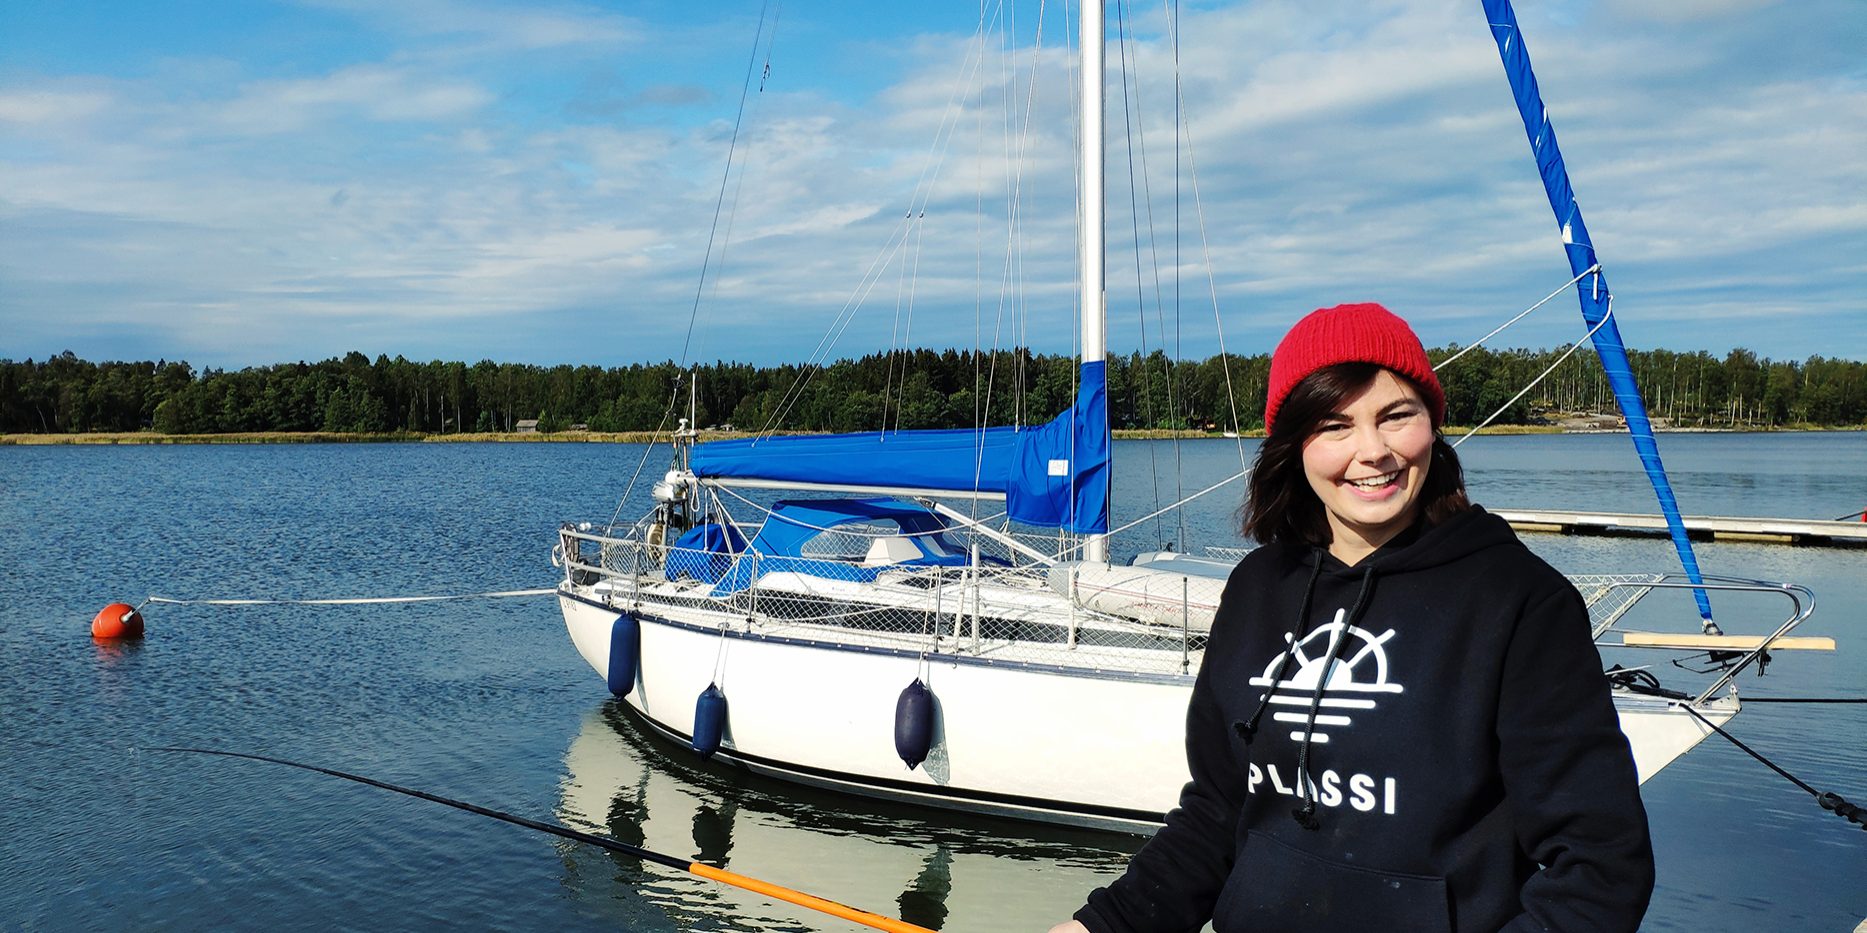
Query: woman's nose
(1369,444)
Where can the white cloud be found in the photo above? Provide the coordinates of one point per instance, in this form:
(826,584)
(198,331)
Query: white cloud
(372,92)
(1679,11)
(50,106)
(425,201)
(515,26)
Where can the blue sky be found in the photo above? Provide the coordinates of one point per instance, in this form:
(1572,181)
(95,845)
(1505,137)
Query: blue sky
(240,183)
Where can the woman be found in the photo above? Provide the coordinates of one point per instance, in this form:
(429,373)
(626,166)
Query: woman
(1401,722)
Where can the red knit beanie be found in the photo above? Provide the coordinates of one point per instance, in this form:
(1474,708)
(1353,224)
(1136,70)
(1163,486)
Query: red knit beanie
(1361,333)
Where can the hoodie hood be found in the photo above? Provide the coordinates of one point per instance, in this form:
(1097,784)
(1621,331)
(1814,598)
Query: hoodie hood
(1421,547)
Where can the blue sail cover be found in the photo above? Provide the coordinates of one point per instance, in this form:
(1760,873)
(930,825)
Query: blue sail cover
(1592,289)
(1054,475)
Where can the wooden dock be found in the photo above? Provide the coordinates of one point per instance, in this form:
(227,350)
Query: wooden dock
(1699,527)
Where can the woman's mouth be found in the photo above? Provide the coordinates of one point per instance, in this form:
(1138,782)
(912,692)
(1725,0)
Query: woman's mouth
(1375,482)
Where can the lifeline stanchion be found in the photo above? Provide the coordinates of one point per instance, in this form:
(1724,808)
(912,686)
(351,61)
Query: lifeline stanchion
(811,901)
(1829,800)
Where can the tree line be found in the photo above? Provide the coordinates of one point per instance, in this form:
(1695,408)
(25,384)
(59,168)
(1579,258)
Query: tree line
(898,390)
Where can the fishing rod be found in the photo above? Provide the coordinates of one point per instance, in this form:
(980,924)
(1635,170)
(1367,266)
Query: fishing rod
(756,886)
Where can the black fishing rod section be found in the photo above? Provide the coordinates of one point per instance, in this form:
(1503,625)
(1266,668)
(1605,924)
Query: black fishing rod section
(721,875)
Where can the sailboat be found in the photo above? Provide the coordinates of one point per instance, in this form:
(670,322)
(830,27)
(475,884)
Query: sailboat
(865,634)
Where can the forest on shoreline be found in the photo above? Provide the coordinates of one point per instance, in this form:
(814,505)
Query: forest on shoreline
(905,390)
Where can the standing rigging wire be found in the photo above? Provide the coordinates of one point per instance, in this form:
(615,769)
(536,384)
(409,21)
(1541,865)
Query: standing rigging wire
(907,331)
(1173,42)
(1011,270)
(844,317)
(1176,397)
(1171,366)
(1012,267)
(895,350)
(1021,318)
(978,274)
(921,194)
(982,397)
(979,394)
(1212,285)
(732,147)
(1014,204)
(1134,224)
(706,261)
(1077,339)
(1184,137)
(732,209)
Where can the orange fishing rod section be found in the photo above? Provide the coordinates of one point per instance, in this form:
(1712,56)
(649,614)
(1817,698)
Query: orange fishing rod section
(721,875)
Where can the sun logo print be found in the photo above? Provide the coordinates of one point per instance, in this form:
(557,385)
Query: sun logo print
(1351,675)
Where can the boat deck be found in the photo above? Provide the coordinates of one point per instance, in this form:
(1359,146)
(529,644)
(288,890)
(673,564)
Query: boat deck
(1795,531)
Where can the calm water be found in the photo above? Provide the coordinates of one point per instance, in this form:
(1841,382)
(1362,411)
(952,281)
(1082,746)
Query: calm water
(486,700)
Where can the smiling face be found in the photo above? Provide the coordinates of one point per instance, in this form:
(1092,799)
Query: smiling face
(1366,461)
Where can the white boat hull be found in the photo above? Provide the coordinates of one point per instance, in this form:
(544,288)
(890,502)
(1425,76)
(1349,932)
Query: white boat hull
(824,715)
(1100,750)
(1662,730)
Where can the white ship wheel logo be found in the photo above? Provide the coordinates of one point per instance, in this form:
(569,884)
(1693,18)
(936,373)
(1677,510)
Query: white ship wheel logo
(1348,674)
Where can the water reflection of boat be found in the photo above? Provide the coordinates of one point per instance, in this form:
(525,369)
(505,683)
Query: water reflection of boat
(959,874)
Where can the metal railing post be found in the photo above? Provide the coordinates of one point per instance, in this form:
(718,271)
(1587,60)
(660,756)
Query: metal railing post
(974,570)
(1186,626)
(1072,601)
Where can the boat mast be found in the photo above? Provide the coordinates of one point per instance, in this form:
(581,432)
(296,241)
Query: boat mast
(1092,306)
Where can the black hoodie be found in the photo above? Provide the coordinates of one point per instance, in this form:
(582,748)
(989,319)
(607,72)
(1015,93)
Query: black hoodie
(1466,770)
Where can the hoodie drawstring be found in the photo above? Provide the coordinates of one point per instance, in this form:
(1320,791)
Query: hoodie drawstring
(1305,815)
(1248,729)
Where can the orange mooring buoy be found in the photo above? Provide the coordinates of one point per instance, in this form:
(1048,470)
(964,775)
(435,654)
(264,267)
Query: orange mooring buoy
(117,620)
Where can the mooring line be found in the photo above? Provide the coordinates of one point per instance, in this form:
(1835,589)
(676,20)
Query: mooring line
(355,601)
(1828,800)
(745,882)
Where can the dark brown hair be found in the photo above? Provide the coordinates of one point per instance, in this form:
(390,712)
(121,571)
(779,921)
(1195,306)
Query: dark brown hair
(1281,506)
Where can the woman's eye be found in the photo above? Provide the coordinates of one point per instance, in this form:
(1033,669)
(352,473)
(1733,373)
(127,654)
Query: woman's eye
(1333,428)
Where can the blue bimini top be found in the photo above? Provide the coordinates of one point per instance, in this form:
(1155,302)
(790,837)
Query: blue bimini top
(793,523)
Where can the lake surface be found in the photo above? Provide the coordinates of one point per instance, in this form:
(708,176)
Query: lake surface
(485,700)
